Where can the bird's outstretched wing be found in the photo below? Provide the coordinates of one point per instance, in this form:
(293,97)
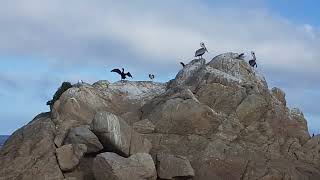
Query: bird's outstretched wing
(182,64)
(128,74)
(116,70)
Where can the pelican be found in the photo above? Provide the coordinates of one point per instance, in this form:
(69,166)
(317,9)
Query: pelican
(201,51)
(151,76)
(122,74)
(253,62)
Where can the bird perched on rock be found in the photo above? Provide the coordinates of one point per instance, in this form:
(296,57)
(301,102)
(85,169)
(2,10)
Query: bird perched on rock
(151,76)
(253,62)
(122,73)
(182,64)
(201,51)
(241,56)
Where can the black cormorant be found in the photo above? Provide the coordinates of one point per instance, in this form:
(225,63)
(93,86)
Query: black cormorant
(122,74)
(151,76)
(241,56)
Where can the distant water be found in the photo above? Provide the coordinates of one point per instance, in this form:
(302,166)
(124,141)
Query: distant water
(3,138)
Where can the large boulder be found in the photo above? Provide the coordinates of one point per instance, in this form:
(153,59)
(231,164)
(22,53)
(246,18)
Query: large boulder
(29,153)
(114,167)
(69,155)
(117,136)
(82,135)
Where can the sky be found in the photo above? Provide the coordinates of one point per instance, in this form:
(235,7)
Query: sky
(46,42)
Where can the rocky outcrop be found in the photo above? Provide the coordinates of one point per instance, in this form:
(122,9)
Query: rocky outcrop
(114,167)
(30,152)
(215,120)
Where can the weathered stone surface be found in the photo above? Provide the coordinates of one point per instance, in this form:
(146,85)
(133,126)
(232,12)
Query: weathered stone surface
(221,98)
(145,126)
(69,155)
(114,134)
(139,144)
(62,131)
(251,109)
(279,94)
(29,153)
(117,136)
(170,166)
(298,126)
(82,135)
(114,167)
(83,171)
(178,111)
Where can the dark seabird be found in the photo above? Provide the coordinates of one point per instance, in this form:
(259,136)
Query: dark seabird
(122,74)
(182,64)
(253,62)
(241,56)
(151,76)
(201,51)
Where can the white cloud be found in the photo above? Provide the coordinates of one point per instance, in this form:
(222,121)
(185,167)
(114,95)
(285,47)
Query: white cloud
(77,30)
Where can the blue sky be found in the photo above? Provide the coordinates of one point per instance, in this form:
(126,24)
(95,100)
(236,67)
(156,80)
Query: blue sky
(45,42)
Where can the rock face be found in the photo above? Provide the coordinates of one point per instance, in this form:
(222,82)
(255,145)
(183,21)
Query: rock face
(30,152)
(69,155)
(82,135)
(114,167)
(117,136)
(170,166)
(214,120)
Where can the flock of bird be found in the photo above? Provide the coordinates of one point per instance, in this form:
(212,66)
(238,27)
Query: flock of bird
(199,53)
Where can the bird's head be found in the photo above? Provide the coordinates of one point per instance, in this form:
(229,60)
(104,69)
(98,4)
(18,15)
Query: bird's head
(203,46)
(252,52)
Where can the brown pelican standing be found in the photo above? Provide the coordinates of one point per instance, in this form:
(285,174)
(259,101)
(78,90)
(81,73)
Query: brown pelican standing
(122,74)
(151,76)
(201,51)
(253,62)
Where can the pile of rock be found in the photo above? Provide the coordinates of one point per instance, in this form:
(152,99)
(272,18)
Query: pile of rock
(215,120)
